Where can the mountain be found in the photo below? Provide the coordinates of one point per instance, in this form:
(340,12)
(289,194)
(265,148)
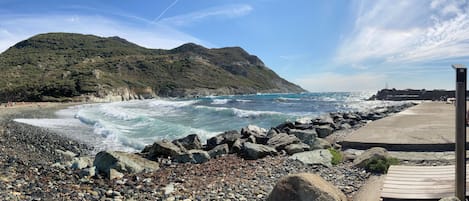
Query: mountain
(77,67)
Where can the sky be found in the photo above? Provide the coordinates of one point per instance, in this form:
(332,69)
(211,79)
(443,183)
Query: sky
(333,45)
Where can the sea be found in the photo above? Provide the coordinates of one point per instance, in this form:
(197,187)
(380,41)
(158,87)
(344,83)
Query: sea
(130,125)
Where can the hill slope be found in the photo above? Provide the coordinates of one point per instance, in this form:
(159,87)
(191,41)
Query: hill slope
(65,66)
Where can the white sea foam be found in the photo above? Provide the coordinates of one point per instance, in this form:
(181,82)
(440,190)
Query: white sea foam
(220,101)
(239,112)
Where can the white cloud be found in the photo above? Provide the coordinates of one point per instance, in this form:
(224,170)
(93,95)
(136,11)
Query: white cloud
(390,33)
(330,81)
(229,11)
(15,28)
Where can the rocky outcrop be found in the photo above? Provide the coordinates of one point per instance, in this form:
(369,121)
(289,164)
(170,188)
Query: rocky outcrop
(228,137)
(220,150)
(108,162)
(192,156)
(305,187)
(280,141)
(315,157)
(163,148)
(370,154)
(189,142)
(255,151)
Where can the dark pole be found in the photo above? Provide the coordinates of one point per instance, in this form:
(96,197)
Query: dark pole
(460,138)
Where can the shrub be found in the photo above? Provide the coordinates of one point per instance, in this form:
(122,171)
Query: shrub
(336,156)
(380,165)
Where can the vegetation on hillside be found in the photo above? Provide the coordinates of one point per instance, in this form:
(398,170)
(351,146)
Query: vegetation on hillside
(61,66)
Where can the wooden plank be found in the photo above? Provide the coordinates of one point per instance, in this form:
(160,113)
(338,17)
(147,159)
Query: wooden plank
(419,182)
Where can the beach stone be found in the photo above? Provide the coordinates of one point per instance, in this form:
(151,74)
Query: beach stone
(370,154)
(324,131)
(296,148)
(256,151)
(280,141)
(303,126)
(88,172)
(255,134)
(320,144)
(303,120)
(306,136)
(163,148)
(189,142)
(220,150)
(320,156)
(305,187)
(228,137)
(345,126)
(122,162)
(114,174)
(66,155)
(81,162)
(272,132)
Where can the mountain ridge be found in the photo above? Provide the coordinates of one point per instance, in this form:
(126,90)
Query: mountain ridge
(78,67)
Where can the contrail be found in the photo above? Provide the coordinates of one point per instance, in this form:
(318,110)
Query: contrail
(164,11)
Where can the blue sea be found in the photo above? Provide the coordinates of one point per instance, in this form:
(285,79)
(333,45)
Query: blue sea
(130,125)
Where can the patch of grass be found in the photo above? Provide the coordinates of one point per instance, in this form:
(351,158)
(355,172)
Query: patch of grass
(336,156)
(380,165)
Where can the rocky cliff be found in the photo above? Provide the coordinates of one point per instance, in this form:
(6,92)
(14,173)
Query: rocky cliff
(76,67)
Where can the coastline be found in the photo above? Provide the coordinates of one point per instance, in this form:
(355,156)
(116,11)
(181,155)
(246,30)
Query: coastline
(28,158)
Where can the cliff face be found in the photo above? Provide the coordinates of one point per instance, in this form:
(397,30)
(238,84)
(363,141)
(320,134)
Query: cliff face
(73,67)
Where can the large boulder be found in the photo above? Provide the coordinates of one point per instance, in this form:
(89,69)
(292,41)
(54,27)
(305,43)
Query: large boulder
(256,151)
(320,144)
(315,157)
(280,141)
(255,134)
(284,127)
(192,156)
(189,142)
(163,148)
(370,154)
(305,187)
(324,131)
(306,136)
(228,137)
(219,150)
(296,148)
(122,162)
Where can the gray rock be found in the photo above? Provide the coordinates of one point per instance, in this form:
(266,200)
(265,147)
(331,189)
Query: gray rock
(320,144)
(305,187)
(296,148)
(114,174)
(324,131)
(318,157)
(272,132)
(192,156)
(345,126)
(284,127)
(370,154)
(220,150)
(280,141)
(81,162)
(122,162)
(189,142)
(199,156)
(88,172)
(228,137)
(237,146)
(256,151)
(306,136)
(163,148)
(66,155)
(255,134)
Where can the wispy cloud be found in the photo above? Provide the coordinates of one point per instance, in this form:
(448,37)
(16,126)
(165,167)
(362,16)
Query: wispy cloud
(165,10)
(391,33)
(229,11)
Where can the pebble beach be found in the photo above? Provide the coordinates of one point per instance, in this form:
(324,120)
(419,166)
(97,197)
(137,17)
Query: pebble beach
(28,158)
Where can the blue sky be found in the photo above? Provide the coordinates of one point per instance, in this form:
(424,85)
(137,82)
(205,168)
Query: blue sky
(333,45)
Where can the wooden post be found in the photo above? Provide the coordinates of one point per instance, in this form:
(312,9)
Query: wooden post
(460,138)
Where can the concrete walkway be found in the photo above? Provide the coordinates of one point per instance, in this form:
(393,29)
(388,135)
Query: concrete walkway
(429,126)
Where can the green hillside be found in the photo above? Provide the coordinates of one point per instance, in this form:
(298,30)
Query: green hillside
(65,67)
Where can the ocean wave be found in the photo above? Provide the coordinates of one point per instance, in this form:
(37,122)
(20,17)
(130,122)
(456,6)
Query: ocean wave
(239,112)
(172,104)
(284,99)
(220,101)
